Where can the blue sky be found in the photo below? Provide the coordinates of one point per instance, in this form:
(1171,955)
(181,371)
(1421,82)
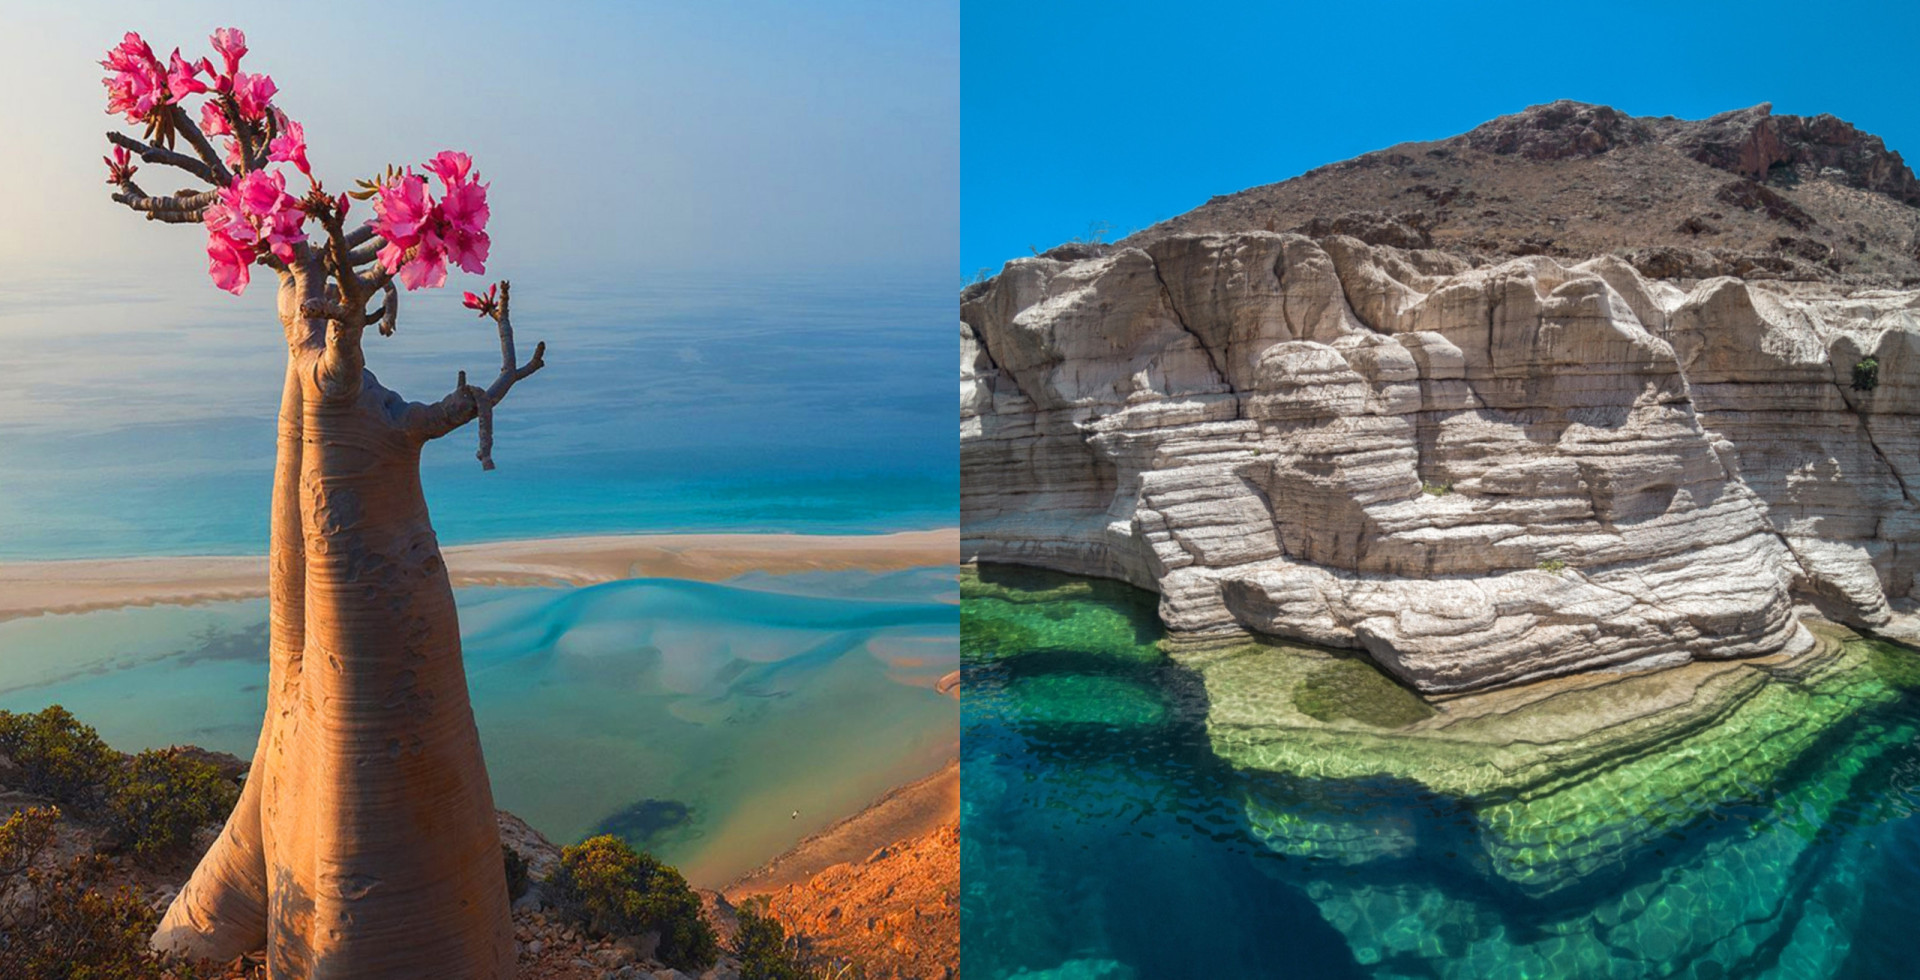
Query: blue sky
(1126,113)
(705,135)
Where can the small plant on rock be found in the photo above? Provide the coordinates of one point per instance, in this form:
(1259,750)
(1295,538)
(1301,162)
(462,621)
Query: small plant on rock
(1436,489)
(1553,566)
(611,889)
(1866,374)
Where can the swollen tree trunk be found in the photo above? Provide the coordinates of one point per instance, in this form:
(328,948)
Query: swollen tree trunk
(364,844)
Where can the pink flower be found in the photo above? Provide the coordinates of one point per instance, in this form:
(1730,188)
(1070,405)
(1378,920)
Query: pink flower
(403,207)
(291,145)
(120,168)
(228,264)
(233,155)
(450,166)
(468,250)
(232,45)
(465,206)
(255,95)
(138,82)
(213,119)
(424,234)
(428,267)
(182,77)
(486,303)
(252,213)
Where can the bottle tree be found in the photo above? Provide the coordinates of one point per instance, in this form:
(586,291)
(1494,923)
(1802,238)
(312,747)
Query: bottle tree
(364,844)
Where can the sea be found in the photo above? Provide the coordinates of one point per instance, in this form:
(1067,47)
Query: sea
(713,724)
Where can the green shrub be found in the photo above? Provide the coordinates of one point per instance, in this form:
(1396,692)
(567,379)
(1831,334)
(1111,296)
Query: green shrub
(59,758)
(1866,374)
(1553,566)
(763,949)
(156,802)
(1436,489)
(611,889)
(23,836)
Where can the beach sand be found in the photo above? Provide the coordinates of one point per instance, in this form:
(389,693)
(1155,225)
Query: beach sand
(905,813)
(32,588)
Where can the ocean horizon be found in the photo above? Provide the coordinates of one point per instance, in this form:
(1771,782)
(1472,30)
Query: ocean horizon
(140,423)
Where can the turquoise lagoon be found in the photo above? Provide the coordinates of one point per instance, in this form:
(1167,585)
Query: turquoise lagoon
(1108,832)
(690,718)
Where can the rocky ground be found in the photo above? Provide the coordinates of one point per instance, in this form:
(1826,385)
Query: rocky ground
(897,913)
(893,915)
(1745,193)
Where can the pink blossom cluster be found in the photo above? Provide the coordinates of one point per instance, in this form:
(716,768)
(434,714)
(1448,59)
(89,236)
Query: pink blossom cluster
(139,85)
(424,233)
(254,214)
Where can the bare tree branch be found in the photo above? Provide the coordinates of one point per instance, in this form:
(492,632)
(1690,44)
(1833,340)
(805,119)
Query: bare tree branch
(364,235)
(184,124)
(467,402)
(155,154)
(185,207)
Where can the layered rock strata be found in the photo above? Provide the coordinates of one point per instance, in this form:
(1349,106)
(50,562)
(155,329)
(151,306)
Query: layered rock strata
(1480,475)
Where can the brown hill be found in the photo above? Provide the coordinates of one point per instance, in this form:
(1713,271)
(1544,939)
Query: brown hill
(1744,193)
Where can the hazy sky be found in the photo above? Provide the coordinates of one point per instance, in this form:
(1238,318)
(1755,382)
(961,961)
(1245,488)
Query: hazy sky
(1130,112)
(757,135)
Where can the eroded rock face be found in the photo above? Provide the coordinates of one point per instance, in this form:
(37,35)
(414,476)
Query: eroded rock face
(1482,476)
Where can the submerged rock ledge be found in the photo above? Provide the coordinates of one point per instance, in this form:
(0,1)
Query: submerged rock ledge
(1482,475)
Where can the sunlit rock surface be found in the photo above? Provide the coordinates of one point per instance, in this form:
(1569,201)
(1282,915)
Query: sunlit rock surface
(1482,476)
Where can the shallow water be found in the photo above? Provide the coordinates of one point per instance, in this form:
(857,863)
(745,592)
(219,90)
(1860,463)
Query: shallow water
(1103,837)
(141,422)
(691,718)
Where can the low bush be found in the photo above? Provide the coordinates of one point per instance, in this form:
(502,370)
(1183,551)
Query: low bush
(613,890)
(24,835)
(71,929)
(59,758)
(158,801)
(763,948)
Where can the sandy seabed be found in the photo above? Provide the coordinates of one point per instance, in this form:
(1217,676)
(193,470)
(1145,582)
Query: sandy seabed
(30,588)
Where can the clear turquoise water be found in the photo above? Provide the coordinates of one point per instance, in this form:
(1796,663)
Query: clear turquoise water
(141,422)
(691,718)
(1102,837)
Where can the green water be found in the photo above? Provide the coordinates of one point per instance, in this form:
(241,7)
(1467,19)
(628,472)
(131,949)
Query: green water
(1266,811)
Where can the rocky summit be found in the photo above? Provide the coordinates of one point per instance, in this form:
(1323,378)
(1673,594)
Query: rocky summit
(1495,437)
(1745,193)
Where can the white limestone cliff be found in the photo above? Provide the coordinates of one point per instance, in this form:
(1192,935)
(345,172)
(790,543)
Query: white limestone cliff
(1481,476)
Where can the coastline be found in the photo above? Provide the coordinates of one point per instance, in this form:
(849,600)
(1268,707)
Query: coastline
(903,813)
(31,588)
